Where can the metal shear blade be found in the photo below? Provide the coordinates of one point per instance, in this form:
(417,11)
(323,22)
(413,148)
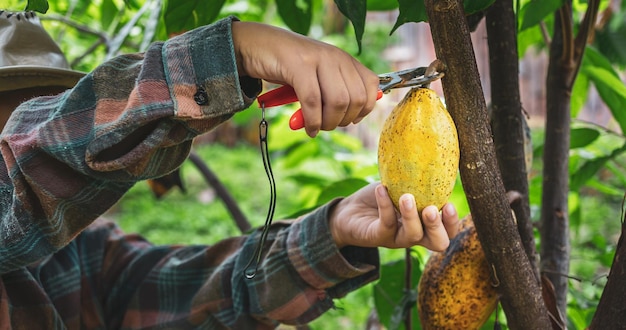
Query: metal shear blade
(406,78)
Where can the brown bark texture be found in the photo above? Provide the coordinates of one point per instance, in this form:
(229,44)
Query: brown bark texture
(512,272)
(554,229)
(507,116)
(566,54)
(611,311)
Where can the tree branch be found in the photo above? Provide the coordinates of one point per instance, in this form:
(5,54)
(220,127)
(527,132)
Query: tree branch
(565,13)
(507,116)
(585,32)
(521,295)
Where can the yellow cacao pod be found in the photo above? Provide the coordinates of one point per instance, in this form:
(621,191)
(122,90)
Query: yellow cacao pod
(455,291)
(418,150)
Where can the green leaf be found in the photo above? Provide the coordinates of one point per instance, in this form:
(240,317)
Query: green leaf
(415,11)
(40,6)
(579,94)
(612,91)
(535,11)
(296,14)
(472,6)
(355,11)
(390,296)
(341,188)
(581,137)
(594,58)
(381,5)
(108,12)
(410,11)
(182,16)
(590,168)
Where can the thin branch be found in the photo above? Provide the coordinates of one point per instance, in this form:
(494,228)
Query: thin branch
(567,26)
(79,27)
(584,33)
(240,219)
(408,286)
(89,50)
(544,33)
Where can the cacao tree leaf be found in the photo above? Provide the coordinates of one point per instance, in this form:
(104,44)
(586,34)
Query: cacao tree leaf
(414,11)
(581,137)
(594,58)
(535,11)
(472,6)
(108,12)
(40,6)
(340,188)
(590,168)
(612,91)
(181,16)
(579,94)
(389,293)
(355,11)
(610,39)
(296,14)
(381,5)
(410,11)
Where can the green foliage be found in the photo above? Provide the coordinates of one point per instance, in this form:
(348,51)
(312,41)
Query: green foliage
(296,14)
(536,11)
(40,6)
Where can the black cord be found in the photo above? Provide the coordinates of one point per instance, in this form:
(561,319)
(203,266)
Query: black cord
(253,264)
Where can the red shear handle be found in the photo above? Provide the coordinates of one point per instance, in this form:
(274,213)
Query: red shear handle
(296,121)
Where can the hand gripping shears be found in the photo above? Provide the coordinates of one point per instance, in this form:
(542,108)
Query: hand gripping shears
(421,76)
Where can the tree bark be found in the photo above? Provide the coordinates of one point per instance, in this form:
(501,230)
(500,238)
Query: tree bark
(507,116)
(555,246)
(611,311)
(566,53)
(512,272)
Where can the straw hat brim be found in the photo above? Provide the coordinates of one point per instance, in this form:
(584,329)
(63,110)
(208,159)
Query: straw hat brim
(27,76)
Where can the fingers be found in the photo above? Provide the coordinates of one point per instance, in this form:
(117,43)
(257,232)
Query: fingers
(345,92)
(450,220)
(412,231)
(386,210)
(437,238)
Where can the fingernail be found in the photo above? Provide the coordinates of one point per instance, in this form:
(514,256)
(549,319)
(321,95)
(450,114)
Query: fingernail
(449,210)
(314,133)
(358,120)
(382,191)
(430,214)
(408,202)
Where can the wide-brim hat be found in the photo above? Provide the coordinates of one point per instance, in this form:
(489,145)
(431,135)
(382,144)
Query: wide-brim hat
(28,55)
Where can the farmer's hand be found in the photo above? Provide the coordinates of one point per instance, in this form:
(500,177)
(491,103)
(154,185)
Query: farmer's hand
(368,218)
(334,89)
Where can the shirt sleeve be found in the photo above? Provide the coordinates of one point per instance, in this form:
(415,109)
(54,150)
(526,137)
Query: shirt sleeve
(182,287)
(66,159)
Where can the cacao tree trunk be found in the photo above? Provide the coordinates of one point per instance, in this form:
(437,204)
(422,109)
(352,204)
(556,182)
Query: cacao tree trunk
(507,116)
(611,311)
(566,53)
(512,271)
(555,247)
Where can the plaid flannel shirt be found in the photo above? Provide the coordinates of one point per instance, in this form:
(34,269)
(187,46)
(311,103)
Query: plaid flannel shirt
(62,267)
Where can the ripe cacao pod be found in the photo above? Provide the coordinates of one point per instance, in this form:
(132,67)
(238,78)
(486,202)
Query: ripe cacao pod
(455,290)
(418,150)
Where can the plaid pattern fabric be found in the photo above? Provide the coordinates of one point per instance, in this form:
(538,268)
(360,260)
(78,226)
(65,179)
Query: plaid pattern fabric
(63,268)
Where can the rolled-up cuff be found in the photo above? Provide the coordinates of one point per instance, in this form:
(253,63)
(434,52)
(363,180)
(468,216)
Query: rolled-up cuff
(321,264)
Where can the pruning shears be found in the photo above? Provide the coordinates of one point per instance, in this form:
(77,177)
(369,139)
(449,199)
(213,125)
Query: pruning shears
(398,79)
